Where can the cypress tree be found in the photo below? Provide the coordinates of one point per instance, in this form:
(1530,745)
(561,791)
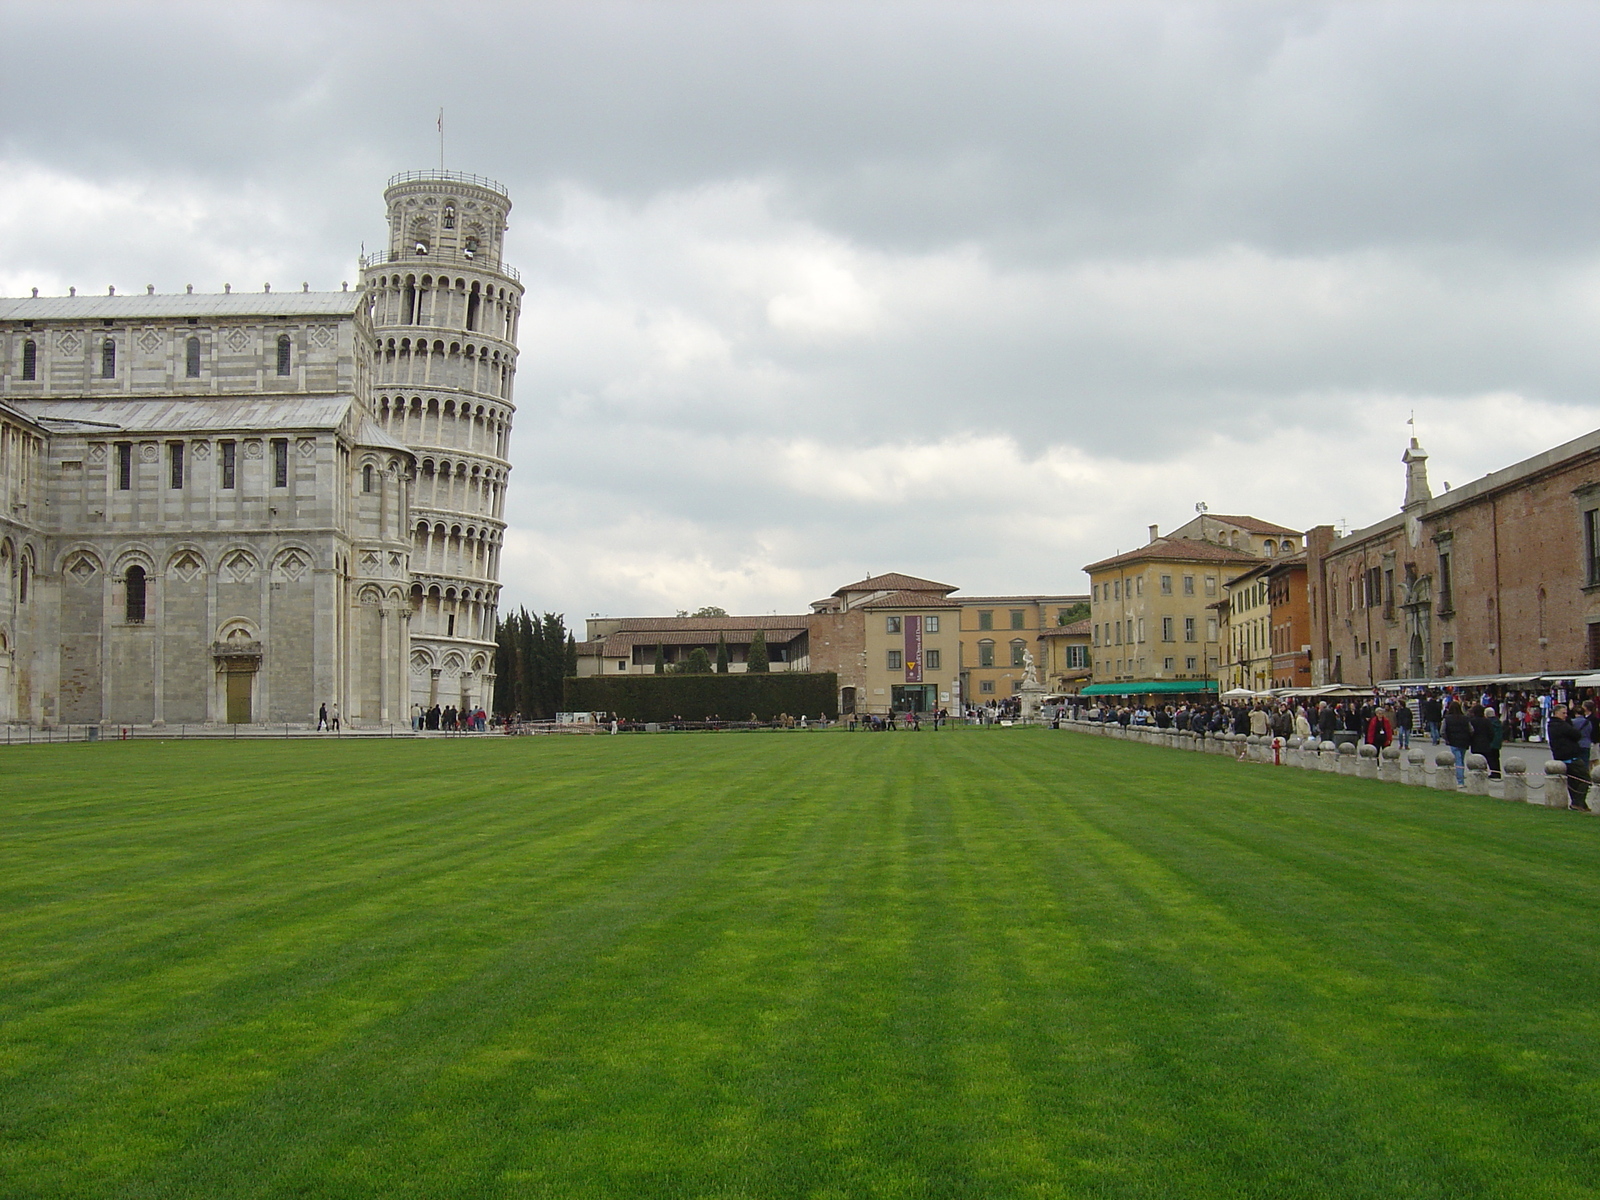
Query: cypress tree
(722,655)
(571,663)
(661,659)
(758,653)
(698,663)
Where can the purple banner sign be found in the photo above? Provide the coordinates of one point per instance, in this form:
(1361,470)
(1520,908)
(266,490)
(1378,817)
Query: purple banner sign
(913,649)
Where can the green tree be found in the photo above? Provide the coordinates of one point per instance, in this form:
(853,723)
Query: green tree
(722,655)
(532,656)
(661,659)
(570,665)
(710,610)
(757,660)
(697,663)
(1077,612)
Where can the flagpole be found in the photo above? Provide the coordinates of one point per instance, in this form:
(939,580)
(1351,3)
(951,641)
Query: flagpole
(441,139)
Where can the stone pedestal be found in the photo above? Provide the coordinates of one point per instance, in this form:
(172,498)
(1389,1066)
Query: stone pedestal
(1555,784)
(1389,764)
(1444,770)
(1367,761)
(1514,773)
(1477,775)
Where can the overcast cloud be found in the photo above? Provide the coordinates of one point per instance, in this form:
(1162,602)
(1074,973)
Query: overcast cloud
(973,291)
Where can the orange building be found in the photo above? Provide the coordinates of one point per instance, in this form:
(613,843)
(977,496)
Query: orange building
(1288,594)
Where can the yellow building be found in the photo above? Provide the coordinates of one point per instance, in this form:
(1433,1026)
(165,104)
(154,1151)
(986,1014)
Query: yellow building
(910,654)
(1066,659)
(996,632)
(1246,609)
(1150,611)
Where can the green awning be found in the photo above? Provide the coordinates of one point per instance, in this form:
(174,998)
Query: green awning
(1153,687)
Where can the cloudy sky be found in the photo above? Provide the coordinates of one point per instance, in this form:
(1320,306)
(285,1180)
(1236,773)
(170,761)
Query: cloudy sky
(975,291)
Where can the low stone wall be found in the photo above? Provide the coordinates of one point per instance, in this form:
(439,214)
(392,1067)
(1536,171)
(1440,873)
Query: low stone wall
(1427,766)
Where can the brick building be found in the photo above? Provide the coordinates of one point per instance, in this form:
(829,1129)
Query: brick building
(1500,577)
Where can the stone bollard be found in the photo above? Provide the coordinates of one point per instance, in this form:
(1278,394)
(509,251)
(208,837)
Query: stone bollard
(1444,770)
(1514,772)
(1555,784)
(1328,756)
(1311,754)
(1414,768)
(1367,761)
(1389,764)
(1346,756)
(1291,752)
(1477,775)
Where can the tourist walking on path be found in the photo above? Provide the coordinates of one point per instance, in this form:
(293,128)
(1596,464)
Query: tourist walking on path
(1432,716)
(1402,724)
(322,717)
(1457,731)
(1380,731)
(1565,747)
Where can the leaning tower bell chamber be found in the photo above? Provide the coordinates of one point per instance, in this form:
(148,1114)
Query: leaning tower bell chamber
(444,311)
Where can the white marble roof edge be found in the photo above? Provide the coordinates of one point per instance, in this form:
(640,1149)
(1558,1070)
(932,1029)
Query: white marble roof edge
(136,307)
(179,414)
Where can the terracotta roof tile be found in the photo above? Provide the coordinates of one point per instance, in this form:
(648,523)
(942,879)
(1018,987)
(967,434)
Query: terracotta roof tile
(910,600)
(894,582)
(1254,524)
(1176,550)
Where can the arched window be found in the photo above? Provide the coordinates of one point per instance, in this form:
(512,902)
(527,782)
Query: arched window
(30,360)
(1271,547)
(283,354)
(22,584)
(108,359)
(1018,649)
(986,652)
(449,216)
(134,581)
(191,358)
(366,478)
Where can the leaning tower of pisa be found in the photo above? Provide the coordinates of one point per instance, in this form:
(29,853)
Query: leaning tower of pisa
(444,312)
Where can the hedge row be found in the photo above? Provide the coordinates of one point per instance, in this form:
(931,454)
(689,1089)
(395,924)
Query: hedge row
(699,697)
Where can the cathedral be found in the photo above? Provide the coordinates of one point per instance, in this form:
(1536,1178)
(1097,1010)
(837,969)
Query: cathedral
(239,508)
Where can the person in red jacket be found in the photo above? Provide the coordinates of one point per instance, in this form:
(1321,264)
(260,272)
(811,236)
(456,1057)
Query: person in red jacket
(1380,730)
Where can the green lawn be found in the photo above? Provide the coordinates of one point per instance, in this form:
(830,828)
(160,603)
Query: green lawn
(978,963)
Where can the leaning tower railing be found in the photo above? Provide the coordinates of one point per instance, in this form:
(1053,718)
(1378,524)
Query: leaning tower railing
(480,262)
(482,181)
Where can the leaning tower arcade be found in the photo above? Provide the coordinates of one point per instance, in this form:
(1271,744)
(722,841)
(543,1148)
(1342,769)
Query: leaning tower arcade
(444,313)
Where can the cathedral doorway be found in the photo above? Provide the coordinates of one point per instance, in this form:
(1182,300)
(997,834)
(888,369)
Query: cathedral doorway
(240,685)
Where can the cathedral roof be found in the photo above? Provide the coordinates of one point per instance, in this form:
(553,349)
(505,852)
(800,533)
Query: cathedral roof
(198,415)
(144,307)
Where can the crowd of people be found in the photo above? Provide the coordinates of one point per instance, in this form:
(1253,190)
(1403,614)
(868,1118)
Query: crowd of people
(1462,723)
(450,719)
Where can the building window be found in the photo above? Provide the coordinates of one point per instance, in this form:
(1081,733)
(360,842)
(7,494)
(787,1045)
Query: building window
(283,354)
(986,653)
(1167,663)
(1449,652)
(229,461)
(30,360)
(1096,588)
(280,462)
(133,608)
(1211,585)
(449,216)
(1188,663)
(1445,602)
(108,359)
(1591,541)
(124,466)
(930,659)
(1018,649)
(1211,629)
(891,625)
(366,478)
(1166,629)
(1188,629)
(1394,662)
(175,463)
(1077,657)
(622,664)
(191,358)
(1019,619)
(930,624)
(986,685)
(1166,585)
(1119,633)
(1116,589)
(895,663)
(1188,585)
(985,619)
(1141,629)
(1138,586)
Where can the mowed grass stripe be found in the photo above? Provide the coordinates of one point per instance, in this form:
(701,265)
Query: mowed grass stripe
(997,962)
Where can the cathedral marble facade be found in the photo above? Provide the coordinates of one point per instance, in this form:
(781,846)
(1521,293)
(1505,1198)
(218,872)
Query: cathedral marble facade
(237,508)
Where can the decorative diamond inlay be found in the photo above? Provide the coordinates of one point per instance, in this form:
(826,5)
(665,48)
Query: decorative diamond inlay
(150,341)
(238,341)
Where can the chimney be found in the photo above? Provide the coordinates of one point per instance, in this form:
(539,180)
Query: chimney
(1417,490)
(1155,532)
